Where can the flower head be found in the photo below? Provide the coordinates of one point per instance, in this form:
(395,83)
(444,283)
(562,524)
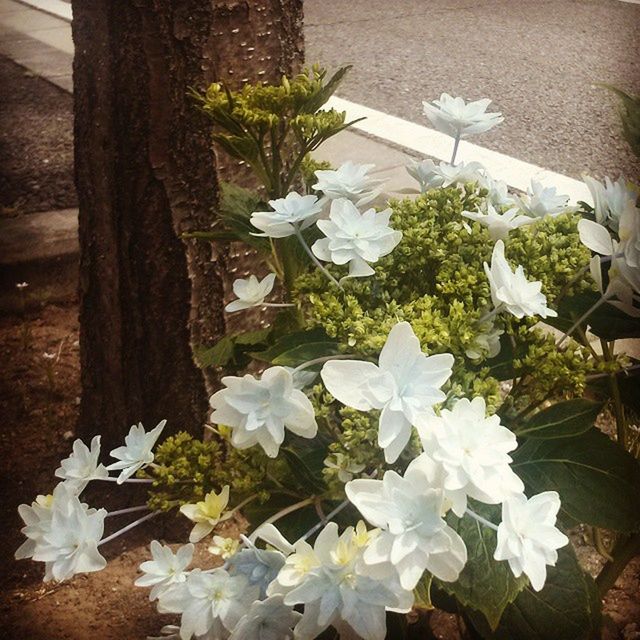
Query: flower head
(344,466)
(413,534)
(610,199)
(431,175)
(207,513)
(472,450)
(251,292)
(258,410)
(512,290)
(541,201)
(259,566)
(137,450)
(268,619)
(223,547)
(499,224)
(82,465)
(404,385)
(528,537)
(486,343)
(287,214)
(355,238)
(166,568)
(458,118)
(67,541)
(349,181)
(209,602)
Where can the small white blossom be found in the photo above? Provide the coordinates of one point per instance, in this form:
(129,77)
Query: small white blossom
(207,513)
(345,467)
(339,592)
(457,118)
(486,344)
(21,285)
(610,199)
(302,377)
(499,224)
(355,238)
(210,602)
(223,547)
(166,568)
(350,181)
(472,450)
(541,201)
(288,213)
(136,452)
(68,542)
(511,289)
(82,465)
(37,520)
(259,566)
(431,175)
(497,191)
(258,410)
(629,234)
(414,537)
(404,385)
(528,537)
(269,619)
(250,292)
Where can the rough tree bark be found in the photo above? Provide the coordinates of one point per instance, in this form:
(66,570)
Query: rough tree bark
(145,173)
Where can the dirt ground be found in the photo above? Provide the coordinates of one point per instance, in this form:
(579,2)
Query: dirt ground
(36,143)
(37,421)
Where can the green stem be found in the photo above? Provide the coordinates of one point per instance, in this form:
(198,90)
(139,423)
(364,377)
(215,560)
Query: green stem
(315,260)
(626,549)
(618,408)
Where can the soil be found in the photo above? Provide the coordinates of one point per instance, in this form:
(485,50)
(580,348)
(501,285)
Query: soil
(38,414)
(36,143)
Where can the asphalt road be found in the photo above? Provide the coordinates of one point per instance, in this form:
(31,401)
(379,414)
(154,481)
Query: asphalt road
(538,60)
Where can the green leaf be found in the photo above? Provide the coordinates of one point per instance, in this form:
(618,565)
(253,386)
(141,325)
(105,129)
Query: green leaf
(598,481)
(485,584)
(308,481)
(320,97)
(297,348)
(630,115)
(607,322)
(217,356)
(561,420)
(501,367)
(567,608)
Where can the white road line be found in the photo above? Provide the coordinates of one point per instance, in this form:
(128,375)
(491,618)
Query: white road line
(54,7)
(428,142)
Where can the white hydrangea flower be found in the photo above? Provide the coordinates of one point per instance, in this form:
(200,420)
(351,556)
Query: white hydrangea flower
(486,344)
(431,175)
(302,377)
(68,542)
(288,213)
(541,201)
(345,467)
(37,519)
(528,537)
(460,119)
(207,513)
(414,537)
(259,410)
(210,603)
(499,224)
(82,465)
(166,568)
(223,547)
(259,566)
(250,292)
(497,191)
(337,593)
(350,181)
(404,385)
(269,619)
(472,450)
(610,199)
(355,238)
(629,234)
(137,450)
(511,289)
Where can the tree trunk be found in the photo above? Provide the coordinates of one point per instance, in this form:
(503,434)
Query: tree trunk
(145,174)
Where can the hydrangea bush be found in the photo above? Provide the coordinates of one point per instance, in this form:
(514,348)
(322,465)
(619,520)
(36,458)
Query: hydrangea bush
(415,426)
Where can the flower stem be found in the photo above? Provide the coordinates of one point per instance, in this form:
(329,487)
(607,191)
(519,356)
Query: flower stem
(244,502)
(287,510)
(480,519)
(455,149)
(618,407)
(489,315)
(121,512)
(582,318)
(134,480)
(279,305)
(315,260)
(310,363)
(130,526)
(324,520)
